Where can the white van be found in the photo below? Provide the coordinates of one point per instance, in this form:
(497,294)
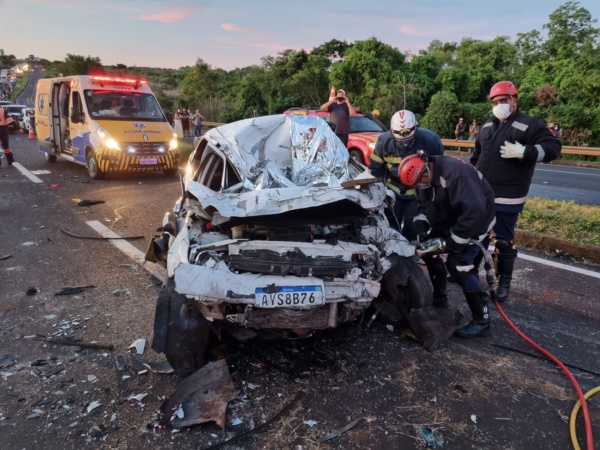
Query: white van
(108,124)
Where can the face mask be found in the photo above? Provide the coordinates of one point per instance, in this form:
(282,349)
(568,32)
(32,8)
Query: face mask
(501,111)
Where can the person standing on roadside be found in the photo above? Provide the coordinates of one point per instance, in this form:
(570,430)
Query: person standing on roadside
(509,145)
(473,131)
(197,119)
(185,122)
(178,124)
(460,130)
(340,109)
(5,122)
(455,203)
(404,138)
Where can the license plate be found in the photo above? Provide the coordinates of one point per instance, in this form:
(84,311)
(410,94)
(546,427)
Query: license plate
(289,296)
(148,161)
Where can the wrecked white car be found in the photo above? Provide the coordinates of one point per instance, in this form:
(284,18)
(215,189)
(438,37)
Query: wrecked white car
(277,233)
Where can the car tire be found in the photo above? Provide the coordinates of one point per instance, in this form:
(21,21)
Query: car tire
(50,158)
(93,167)
(180,332)
(357,155)
(405,286)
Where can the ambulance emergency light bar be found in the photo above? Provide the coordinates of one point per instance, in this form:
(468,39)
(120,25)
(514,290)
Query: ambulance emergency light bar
(101,79)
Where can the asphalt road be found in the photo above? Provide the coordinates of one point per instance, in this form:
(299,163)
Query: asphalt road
(556,182)
(473,394)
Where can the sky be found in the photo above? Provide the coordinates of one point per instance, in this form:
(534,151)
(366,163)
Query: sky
(228,34)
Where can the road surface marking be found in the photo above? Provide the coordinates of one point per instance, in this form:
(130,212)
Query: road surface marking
(597,174)
(545,262)
(27,173)
(131,251)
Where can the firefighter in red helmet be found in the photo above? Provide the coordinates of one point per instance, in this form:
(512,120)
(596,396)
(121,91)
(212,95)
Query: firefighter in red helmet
(455,203)
(508,146)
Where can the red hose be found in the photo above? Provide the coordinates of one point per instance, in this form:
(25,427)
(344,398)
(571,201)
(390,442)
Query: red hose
(584,408)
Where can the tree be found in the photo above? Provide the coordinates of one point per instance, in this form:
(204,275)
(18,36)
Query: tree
(569,31)
(442,114)
(81,65)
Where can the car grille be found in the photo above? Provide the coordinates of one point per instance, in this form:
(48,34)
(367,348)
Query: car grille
(146,148)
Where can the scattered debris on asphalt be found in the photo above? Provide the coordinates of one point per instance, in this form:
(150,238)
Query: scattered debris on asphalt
(139,345)
(259,428)
(52,340)
(431,441)
(6,360)
(122,293)
(97,238)
(87,202)
(336,433)
(3,257)
(203,397)
(32,290)
(74,290)
(121,364)
(160,367)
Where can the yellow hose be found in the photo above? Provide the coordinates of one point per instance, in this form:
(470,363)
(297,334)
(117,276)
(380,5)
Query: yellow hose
(574,417)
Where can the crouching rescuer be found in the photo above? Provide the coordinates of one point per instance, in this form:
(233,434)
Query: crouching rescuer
(455,204)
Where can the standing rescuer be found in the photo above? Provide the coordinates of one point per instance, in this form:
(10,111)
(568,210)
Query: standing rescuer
(507,149)
(455,203)
(5,121)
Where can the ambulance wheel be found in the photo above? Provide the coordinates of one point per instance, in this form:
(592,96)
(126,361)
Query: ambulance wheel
(172,171)
(50,158)
(357,155)
(93,168)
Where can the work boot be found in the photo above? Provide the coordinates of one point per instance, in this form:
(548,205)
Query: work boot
(504,268)
(480,325)
(437,275)
(10,158)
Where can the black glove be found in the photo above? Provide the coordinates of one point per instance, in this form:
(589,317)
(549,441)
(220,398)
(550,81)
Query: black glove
(421,227)
(454,247)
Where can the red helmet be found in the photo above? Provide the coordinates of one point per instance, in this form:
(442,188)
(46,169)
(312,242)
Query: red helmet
(503,88)
(412,168)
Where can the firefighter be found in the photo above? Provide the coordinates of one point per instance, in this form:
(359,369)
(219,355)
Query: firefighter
(455,203)
(404,138)
(5,121)
(507,149)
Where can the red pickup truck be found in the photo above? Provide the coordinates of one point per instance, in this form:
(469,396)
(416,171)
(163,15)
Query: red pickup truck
(365,128)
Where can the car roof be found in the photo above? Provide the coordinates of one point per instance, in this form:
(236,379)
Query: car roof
(311,112)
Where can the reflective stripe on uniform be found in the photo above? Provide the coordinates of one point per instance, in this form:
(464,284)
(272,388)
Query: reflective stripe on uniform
(376,158)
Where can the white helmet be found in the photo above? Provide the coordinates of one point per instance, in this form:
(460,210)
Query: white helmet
(403,126)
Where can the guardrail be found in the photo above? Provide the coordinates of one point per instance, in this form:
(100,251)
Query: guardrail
(566,149)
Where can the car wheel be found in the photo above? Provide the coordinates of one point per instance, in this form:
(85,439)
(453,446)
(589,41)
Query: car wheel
(357,155)
(92,166)
(50,158)
(405,286)
(180,332)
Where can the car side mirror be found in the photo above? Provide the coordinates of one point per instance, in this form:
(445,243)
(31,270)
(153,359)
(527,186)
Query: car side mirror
(77,116)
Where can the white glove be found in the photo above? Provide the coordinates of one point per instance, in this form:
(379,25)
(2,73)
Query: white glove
(510,150)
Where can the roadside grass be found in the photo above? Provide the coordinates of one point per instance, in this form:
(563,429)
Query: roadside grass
(185,149)
(562,220)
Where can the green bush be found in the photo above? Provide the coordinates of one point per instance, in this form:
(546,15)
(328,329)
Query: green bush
(563,220)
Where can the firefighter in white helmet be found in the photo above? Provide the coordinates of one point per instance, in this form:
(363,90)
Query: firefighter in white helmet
(404,138)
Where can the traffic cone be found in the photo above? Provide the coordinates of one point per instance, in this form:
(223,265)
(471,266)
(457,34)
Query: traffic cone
(332,93)
(31,133)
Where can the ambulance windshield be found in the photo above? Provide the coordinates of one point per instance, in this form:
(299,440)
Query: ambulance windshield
(119,105)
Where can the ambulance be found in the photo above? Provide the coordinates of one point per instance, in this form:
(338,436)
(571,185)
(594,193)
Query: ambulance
(109,124)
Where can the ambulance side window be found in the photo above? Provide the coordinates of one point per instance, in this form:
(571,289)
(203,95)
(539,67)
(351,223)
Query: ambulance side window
(77,115)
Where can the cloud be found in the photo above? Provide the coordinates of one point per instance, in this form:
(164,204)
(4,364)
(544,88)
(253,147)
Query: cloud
(174,15)
(235,28)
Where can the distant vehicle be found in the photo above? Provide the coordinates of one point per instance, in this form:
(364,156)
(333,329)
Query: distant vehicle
(16,111)
(365,128)
(25,119)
